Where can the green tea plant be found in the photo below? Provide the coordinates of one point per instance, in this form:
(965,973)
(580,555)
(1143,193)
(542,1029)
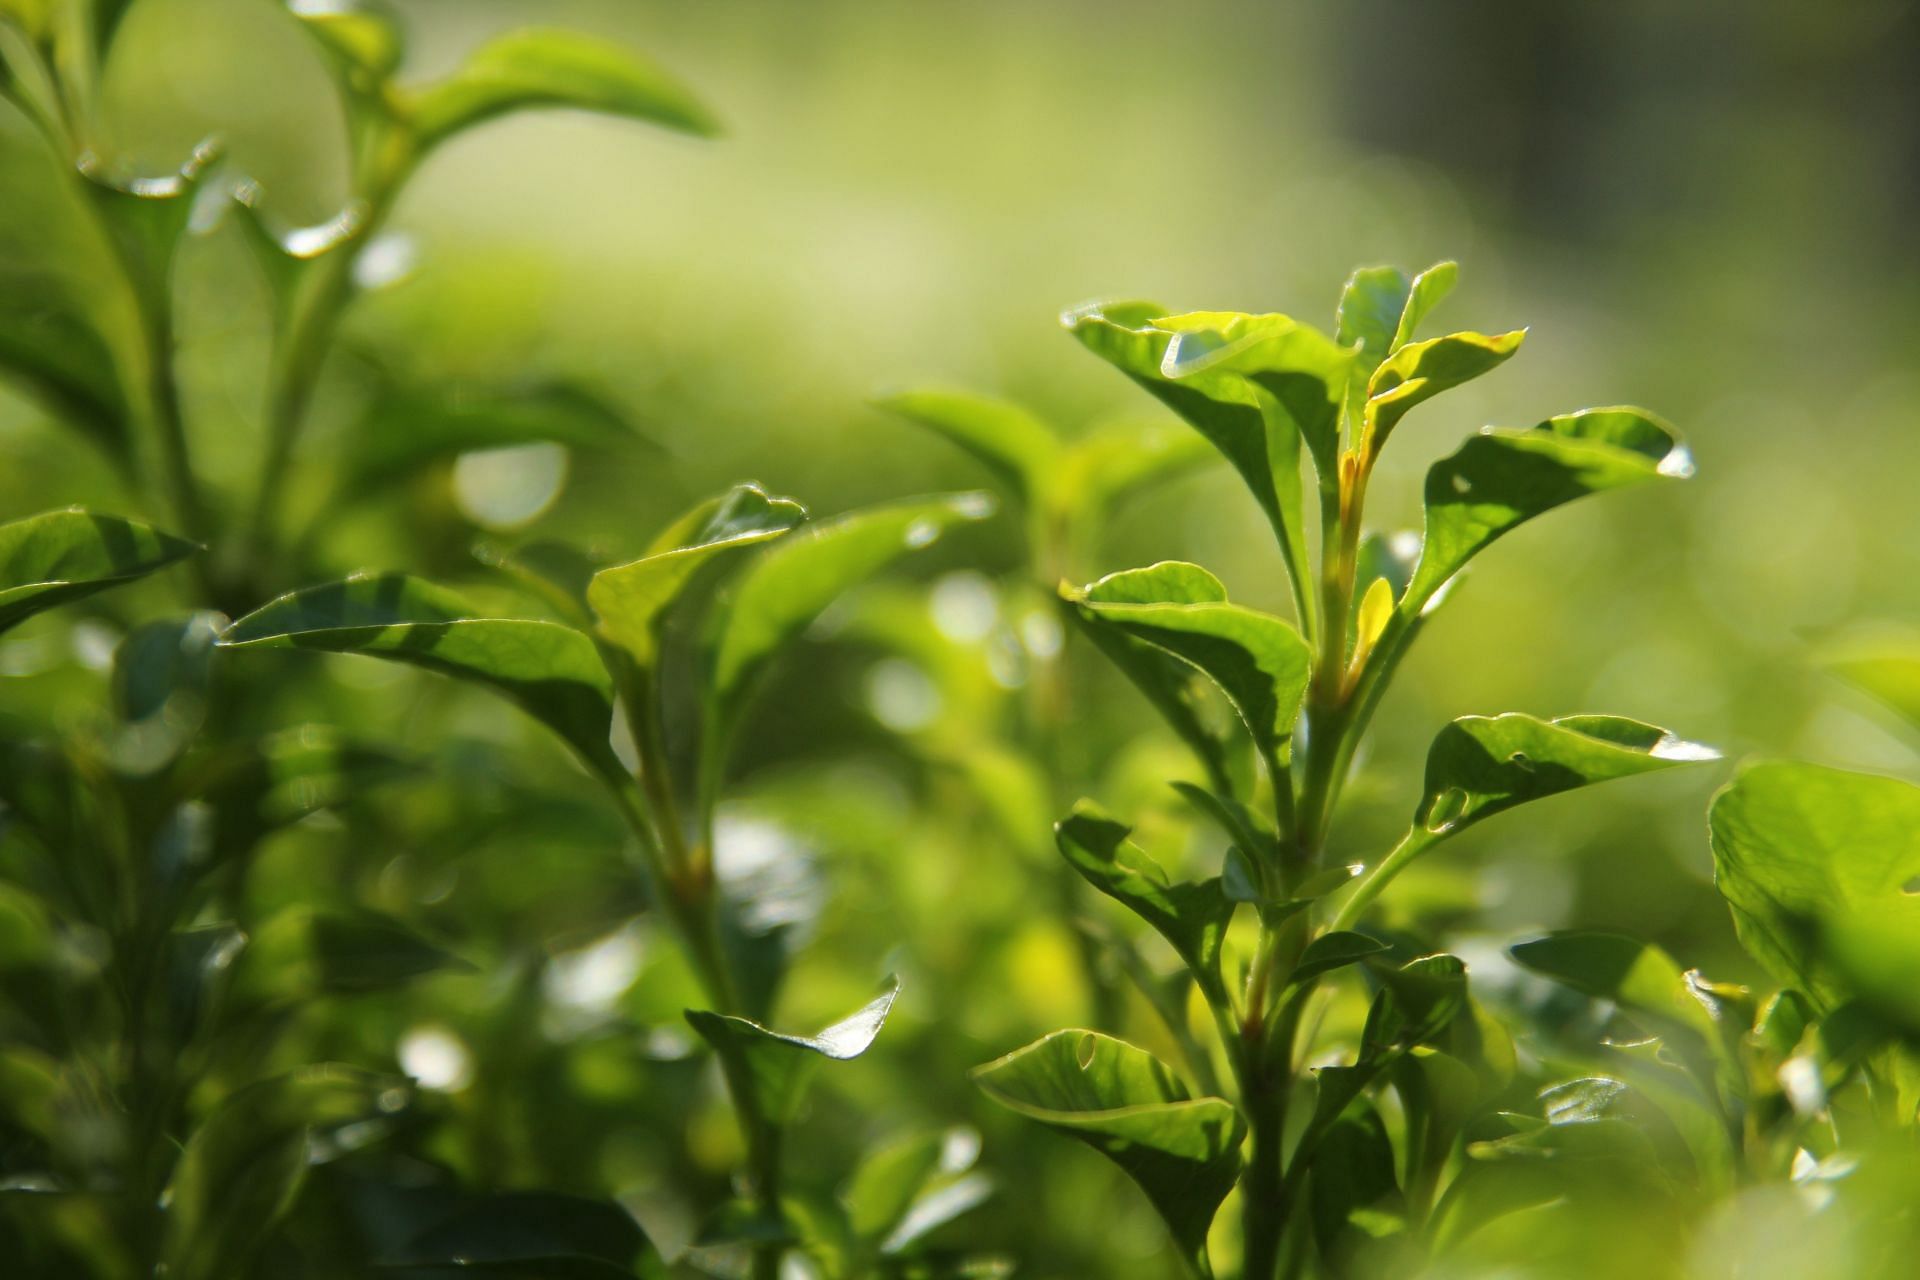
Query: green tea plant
(1314,1172)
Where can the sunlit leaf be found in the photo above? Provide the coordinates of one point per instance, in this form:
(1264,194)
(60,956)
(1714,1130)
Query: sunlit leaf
(553,672)
(1416,373)
(1262,444)
(1335,950)
(1481,765)
(770,1070)
(550,67)
(1259,661)
(1184,1153)
(1500,479)
(785,589)
(365,37)
(630,600)
(1886,667)
(58,556)
(1795,844)
(1380,309)
(887,1182)
(1193,917)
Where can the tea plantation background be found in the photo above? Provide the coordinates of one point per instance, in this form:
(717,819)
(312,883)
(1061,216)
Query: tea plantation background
(1707,209)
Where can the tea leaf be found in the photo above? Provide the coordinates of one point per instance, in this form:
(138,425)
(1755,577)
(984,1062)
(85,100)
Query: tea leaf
(1418,372)
(58,556)
(1334,950)
(1022,452)
(631,600)
(1794,844)
(1499,480)
(1479,765)
(549,67)
(1636,975)
(1886,669)
(551,671)
(1184,1153)
(1235,417)
(527,1233)
(770,1070)
(787,588)
(1259,661)
(1193,917)
(887,1182)
(63,363)
(244,1165)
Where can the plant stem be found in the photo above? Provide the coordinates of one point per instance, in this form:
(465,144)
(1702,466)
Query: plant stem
(1416,842)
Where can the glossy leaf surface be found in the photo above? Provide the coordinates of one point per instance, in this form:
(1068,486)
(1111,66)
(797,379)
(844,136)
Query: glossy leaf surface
(1422,370)
(631,600)
(770,1070)
(1480,765)
(58,556)
(1500,479)
(1183,1152)
(551,671)
(1193,917)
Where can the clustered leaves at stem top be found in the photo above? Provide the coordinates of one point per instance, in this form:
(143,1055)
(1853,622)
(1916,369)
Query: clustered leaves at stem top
(1266,390)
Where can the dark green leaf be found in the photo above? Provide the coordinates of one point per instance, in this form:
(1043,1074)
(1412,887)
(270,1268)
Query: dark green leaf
(548,67)
(1498,480)
(631,600)
(540,1235)
(244,1165)
(769,1071)
(1636,975)
(1183,1152)
(64,364)
(1193,917)
(49,559)
(1794,844)
(552,671)
(305,950)
(1479,765)
(1334,950)
(1353,1173)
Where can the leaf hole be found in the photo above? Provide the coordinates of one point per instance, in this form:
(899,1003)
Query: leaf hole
(1083,1052)
(1911,886)
(1461,484)
(1446,809)
(1522,760)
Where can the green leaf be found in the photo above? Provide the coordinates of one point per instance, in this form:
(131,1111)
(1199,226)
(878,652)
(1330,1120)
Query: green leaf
(304,950)
(1380,309)
(1887,668)
(1022,452)
(1498,480)
(1259,661)
(408,430)
(1235,417)
(784,590)
(1184,1153)
(1303,371)
(1636,975)
(551,671)
(1794,844)
(528,1234)
(1353,1179)
(549,67)
(557,572)
(1193,917)
(363,37)
(243,1167)
(1334,950)
(887,1182)
(769,1071)
(1422,370)
(1480,765)
(631,600)
(63,363)
(58,556)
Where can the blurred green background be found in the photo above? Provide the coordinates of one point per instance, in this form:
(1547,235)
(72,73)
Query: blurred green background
(1707,209)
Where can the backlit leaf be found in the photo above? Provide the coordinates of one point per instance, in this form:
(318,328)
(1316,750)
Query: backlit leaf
(770,1070)
(1020,450)
(50,559)
(1416,373)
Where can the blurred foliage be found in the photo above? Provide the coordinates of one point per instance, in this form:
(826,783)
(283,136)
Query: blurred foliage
(587,325)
